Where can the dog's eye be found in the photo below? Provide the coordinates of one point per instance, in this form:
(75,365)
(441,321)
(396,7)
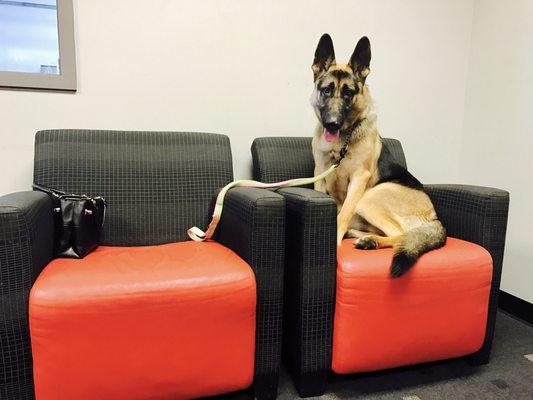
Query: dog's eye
(327,90)
(347,92)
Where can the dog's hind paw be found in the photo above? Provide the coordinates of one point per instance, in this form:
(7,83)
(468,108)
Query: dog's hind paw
(366,243)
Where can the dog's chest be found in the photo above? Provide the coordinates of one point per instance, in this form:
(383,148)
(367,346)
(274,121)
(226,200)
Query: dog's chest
(338,182)
(333,155)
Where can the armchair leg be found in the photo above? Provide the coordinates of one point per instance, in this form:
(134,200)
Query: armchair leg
(480,358)
(265,387)
(311,384)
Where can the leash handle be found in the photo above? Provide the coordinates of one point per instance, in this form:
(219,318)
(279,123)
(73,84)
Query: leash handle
(198,235)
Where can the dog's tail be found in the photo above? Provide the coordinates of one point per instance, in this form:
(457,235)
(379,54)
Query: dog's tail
(414,243)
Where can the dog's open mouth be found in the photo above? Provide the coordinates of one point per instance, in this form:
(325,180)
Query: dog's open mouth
(331,136)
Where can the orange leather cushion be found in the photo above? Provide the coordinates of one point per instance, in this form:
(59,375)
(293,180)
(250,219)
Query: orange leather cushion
(174,321)
(437,310)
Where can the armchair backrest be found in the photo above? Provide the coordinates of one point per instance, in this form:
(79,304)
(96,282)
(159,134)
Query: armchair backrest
(279,158)
(157,184)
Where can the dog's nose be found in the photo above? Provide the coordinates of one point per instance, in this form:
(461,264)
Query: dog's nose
(332,126)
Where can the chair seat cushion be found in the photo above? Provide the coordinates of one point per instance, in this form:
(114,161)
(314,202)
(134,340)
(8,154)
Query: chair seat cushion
(157,322)
(437,310)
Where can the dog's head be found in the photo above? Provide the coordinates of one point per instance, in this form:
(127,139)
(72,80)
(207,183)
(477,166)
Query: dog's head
(340,96)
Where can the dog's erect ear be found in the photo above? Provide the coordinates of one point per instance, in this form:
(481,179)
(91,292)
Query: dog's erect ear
(360,60)
(324,55)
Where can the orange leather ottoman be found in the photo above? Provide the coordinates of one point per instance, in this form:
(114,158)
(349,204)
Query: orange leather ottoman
(438,310)
(172,321)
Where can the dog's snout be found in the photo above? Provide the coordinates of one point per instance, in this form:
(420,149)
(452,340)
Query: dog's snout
(333,125)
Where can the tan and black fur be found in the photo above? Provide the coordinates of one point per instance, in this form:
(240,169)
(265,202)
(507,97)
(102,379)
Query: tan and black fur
(380,203)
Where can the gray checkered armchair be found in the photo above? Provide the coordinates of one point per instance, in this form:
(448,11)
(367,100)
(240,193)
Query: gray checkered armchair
(157,185)
(471,213)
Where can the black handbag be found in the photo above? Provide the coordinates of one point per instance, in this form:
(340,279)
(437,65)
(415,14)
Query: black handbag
(78,222)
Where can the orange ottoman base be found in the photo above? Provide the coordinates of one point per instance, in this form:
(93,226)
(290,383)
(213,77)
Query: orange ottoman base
(173,321)
(438,310)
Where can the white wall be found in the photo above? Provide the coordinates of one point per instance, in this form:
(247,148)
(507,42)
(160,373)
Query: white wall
(243,68)
(498,130)
(452,80)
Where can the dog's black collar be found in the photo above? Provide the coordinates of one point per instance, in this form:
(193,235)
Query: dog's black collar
(344,149)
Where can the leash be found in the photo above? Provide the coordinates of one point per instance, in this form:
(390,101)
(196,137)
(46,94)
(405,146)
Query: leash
(198,235)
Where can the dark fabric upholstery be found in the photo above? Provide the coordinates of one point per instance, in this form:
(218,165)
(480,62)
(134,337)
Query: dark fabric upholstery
(253,225)
(470,213)
(157,184)
(479,215)
(280,158)
(26,246)
(310,275)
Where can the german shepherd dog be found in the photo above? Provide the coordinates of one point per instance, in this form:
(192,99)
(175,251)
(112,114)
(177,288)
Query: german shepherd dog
(380,203)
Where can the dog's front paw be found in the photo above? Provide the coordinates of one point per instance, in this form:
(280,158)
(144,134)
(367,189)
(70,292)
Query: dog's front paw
(366,243)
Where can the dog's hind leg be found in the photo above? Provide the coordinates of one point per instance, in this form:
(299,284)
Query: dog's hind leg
(407,218)
(359,227)
(384,229)
(354,233)
(369,241)
(368,236)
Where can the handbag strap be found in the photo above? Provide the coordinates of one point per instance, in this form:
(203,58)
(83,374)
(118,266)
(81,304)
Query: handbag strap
(59,194)
(53,192)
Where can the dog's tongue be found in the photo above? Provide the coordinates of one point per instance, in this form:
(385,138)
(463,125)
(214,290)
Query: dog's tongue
(331,136)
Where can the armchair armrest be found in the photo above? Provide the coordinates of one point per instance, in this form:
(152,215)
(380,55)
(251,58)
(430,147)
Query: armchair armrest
(26,238)
(309,285)
(253,225)
(26,247)
(474,213)
(479,215)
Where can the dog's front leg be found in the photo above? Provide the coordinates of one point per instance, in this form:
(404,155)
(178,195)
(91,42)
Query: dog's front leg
(356,189)
(320,185)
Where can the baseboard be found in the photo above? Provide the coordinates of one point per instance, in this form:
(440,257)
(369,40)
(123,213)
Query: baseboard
(516,307)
